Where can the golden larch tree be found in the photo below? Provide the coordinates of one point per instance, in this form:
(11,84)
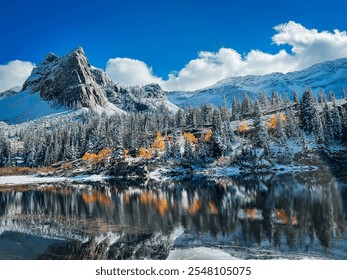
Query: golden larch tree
(272,123)
(243,127)
(189,136)
(158,143)
(208,135)
(143,152)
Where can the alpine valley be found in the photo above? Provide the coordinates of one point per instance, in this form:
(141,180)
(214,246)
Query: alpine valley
(251,167)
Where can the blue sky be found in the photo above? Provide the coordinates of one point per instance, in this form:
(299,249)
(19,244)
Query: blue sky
(164,35)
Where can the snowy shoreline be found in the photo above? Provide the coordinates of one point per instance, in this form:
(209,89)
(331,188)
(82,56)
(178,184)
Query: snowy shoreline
(161,174)
(37,179)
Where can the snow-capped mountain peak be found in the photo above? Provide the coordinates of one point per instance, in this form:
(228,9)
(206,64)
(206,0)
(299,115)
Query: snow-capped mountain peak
(326,76)
(70,81)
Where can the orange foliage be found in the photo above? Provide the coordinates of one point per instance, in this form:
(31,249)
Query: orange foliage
(189,136)
(213,207)
(96,196)
(126,153)
(161,205)
(243,127)
(251,213)
(143,152)
(146,198)
(158,143)
(127,197)
(283,216)
(273,120)
(195,207)
(208,135)
(100,156)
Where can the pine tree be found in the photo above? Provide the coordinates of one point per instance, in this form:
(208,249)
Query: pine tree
(261,137)
(188,151)
(280,132)
(296,100)
(167,151)
(309,114)
(263,100)
(321,97)
(337,121)
(331,96)
(206,114)
(235,109)
(176,150)
(291,128)
(5,152)
(180,118)
(276,99)
(328,125)
(230,136)
(246,105)
(203,151)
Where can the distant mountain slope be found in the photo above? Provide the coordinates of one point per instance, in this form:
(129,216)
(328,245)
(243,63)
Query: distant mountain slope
(68,83)
(26,106)
(326,76)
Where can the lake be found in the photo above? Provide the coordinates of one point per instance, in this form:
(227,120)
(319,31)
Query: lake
(268,216)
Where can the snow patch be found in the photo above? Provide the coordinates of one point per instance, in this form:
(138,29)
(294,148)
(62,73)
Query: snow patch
(199,253)
(34,179)
(25,106)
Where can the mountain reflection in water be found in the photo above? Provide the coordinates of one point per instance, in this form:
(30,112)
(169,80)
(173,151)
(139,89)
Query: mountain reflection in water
(270,216)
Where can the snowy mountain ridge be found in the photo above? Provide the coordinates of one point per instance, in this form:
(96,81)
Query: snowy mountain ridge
(326,76)
(69,83)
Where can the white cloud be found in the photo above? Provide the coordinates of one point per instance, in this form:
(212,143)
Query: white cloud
(14,74)
(130,72)
(309,46)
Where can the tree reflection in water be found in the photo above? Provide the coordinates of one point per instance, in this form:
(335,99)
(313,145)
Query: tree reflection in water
(282,214)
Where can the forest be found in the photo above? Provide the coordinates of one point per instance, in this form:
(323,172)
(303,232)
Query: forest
(256,133)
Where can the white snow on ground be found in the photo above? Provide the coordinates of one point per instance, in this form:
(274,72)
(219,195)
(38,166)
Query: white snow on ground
(28,179)
(32,179)
(26,106)
(199,253)
(90,178)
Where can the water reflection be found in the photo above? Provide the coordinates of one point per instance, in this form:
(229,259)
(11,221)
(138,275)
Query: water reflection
(281,214)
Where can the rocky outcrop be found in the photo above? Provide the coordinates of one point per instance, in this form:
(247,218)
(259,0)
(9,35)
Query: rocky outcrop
(147,98)
(9,92)
(126,169)
(72,81)
(69,79)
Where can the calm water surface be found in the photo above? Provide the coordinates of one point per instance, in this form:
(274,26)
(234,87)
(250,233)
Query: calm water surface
(249,217)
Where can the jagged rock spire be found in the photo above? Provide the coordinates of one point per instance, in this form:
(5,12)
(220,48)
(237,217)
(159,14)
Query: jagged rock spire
(68,79)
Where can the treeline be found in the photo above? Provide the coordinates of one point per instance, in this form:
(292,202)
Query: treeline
(244,132)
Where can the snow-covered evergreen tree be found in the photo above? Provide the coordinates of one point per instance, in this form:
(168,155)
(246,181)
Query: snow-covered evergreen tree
(261,136)
(308,112)
(263,100)
(280,131)
(235,109)
(246,105)
(276,99)
(5,152)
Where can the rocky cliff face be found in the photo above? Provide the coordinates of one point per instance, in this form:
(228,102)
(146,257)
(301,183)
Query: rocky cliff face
(147,98)
(69,79)
(73,82)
